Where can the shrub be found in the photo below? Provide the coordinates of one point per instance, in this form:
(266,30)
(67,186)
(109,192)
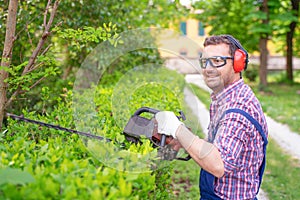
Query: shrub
(59,165)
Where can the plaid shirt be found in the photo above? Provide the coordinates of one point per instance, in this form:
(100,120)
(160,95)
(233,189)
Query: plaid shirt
(238,141)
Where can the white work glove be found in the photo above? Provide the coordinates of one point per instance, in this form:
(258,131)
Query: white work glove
(167,123)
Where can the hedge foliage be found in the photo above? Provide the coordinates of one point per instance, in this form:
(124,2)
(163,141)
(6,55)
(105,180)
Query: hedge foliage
(41,163)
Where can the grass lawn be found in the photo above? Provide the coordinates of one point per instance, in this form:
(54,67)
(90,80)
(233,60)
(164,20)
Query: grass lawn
(281,100)
(282,173)
(185,180)
(281,103)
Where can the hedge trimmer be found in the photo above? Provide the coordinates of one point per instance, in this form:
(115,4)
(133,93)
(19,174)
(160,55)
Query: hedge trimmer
(136,128)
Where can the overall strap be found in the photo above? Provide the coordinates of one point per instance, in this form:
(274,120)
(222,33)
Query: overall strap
(262,133)
(252,120)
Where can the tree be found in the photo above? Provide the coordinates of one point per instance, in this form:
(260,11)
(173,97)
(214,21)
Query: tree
(34,58)
(32,63)
(230,17)
(7,54)
(289,40)
(283,17)
(126,15)
(263,41)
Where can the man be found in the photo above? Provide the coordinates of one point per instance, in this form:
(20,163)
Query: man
(232,159)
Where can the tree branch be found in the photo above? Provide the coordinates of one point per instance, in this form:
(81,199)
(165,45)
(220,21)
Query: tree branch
(13,96)
(19,91)
(35,67)
(46,12)
(46,50)
(37,82)
(45,35)
(31,63)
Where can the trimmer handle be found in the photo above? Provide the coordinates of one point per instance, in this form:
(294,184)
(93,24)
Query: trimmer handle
(140,126)
(163,140)
(145,109)
(153,111)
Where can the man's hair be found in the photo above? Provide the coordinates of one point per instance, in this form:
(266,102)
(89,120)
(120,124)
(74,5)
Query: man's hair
(220,39)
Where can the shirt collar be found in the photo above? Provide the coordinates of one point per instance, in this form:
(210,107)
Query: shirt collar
(226,94)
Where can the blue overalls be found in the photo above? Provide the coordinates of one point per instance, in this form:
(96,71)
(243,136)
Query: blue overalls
(206,182)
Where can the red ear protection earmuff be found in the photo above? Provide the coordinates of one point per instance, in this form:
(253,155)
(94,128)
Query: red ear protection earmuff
(240,58)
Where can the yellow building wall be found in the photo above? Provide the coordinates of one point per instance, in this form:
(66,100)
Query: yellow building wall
(173,43)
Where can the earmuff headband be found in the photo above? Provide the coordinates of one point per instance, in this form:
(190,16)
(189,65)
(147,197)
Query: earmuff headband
(240,60)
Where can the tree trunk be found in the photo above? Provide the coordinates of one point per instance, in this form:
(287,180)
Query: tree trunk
(289,42)
(263,49)
(7,54)
(289,55)
(263,62)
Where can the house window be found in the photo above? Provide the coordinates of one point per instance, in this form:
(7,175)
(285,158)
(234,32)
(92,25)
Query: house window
(183,28)
(200,29)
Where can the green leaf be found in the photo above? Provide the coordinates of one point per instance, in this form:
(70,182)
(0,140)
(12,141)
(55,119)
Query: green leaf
(15,176)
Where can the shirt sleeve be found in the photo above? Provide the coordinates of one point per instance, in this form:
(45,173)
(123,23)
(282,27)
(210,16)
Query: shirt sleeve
(230,140)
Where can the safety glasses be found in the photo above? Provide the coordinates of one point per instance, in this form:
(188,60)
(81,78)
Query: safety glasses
(215,61)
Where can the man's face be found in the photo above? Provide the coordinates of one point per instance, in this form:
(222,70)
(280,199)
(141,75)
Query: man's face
(217,78)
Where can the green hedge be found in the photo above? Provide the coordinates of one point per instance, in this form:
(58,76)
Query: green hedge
(39,163)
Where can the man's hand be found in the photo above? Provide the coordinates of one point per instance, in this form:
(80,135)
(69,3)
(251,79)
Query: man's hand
(167,123)
(175,144)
